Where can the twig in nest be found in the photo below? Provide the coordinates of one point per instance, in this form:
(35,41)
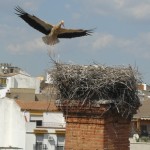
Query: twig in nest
(97,82)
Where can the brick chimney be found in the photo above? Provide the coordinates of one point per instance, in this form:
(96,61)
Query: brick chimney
(98,103)
(95,128)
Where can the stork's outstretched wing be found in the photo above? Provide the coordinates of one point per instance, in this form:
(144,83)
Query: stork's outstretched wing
(33,21)
(71,33)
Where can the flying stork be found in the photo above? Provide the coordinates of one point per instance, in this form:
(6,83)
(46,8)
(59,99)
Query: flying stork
(52,32)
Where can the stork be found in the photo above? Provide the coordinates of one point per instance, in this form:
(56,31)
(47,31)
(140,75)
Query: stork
(52,32)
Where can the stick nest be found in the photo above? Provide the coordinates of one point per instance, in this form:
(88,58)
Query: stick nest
(97,84)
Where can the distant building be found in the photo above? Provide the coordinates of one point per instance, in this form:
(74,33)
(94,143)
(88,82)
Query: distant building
(143,91)
(13,80)
(142,87)
(6,68)
(45,125)
(12,125)
(141,120)
(49,79)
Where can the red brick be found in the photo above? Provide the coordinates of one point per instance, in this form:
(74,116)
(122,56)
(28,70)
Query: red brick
(84,132)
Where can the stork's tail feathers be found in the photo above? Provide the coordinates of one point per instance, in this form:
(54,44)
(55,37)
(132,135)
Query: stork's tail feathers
(50,40)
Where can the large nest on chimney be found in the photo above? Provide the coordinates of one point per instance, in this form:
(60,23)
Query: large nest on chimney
(97,84)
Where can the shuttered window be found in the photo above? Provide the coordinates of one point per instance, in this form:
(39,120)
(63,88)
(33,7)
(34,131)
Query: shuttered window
(33,118)
(37,118)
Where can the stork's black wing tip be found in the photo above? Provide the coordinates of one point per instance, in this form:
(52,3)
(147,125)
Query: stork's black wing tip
(19,11)
(90,31)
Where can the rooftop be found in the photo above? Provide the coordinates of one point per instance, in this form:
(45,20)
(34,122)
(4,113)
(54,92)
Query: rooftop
(37,105)
(144,110)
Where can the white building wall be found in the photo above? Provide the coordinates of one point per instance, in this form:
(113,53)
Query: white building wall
(23,81)
(3,92)
(49,79)
(53,117)
(30,136)
(12,124)
(144,85)
(48,117)
(27,115)
(8,83)
(30,141)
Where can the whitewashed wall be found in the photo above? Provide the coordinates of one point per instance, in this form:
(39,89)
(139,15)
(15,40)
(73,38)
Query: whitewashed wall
(27,115)
(48,117)
(30,141)
(23,81)
(53,117)
(12,124)
(3,93)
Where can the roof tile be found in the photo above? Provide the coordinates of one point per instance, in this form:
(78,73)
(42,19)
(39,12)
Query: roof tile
(37,105)
(144,110)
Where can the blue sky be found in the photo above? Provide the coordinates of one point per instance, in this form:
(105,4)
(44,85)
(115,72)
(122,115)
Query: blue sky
(121,37)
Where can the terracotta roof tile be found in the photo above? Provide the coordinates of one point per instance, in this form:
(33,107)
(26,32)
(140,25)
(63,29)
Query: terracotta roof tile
(37,105)
(144,110)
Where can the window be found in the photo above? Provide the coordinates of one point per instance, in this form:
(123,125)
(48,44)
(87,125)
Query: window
(37,118)
(144,130)
(39,143)
(2,82)
(38,122)
(40,146)
(60,142)
(11,70)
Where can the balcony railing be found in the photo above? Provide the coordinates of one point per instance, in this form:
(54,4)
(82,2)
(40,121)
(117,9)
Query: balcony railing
(51,124)
(40,146)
